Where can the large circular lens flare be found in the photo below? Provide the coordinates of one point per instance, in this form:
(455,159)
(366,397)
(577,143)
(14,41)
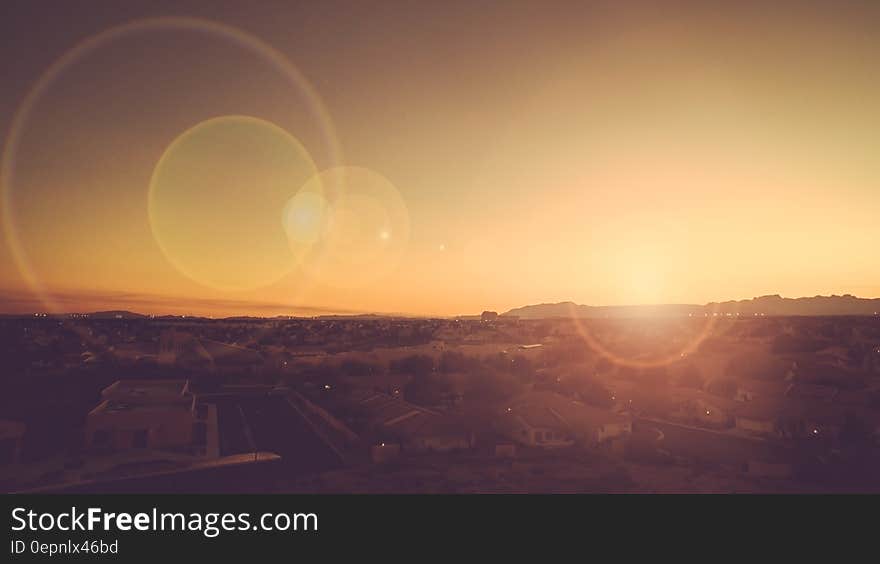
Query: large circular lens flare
(13,184)
(217,200)
(698,331)
(364,226)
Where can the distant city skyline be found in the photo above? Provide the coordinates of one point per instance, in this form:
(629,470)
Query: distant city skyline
(351,157)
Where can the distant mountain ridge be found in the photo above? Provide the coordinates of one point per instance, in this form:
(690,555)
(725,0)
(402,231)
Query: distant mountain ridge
(774,305)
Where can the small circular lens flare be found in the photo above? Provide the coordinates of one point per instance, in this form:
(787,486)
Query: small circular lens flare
(365,227)
(215,197)
(304,217)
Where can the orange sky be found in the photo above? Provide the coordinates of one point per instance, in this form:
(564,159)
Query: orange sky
(494,158)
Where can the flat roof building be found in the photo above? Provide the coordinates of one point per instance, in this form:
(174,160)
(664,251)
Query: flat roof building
(152,414)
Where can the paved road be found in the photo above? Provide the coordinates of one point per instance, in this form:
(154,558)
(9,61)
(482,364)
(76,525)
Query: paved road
(708,445)
(277,427)
(231,427)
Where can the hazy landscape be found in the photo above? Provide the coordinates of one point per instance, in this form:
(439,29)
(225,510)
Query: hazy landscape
(345,246)
(741,401)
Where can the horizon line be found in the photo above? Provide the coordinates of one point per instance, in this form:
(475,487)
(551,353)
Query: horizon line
(342,312)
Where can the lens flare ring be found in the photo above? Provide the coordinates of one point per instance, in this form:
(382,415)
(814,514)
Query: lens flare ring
(365,228)
(621,361)
(221,225)
(22,113)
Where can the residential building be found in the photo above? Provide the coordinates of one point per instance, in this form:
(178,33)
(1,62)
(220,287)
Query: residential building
(152,414)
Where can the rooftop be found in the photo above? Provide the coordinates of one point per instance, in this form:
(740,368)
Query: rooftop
(115,406)
(146,388)
(549,409)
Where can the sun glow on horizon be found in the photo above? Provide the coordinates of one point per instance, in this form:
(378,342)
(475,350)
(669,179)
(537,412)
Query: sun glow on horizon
(602,156)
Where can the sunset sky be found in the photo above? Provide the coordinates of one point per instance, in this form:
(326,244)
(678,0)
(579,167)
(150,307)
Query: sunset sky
(428,159)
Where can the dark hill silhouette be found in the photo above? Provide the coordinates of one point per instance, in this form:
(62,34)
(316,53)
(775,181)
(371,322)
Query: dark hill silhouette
(774,305)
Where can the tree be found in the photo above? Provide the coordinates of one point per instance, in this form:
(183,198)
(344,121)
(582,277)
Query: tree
(454,361)
(522,367)
(691,377)
(787,344)
(427,389)
(854,431)
(589,390)
(723,387)
(416,364)
(358,368)
(493,386)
